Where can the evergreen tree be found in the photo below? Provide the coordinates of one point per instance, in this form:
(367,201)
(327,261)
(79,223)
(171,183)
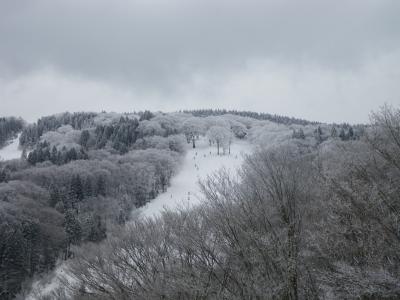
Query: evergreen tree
(54,155)
(301,134)
(101,186)
(75,191)
(87,188)
(31,233)
(32,157)
(46,154)
(350,133)
(83,154)
(318,134)
(146,115)
(55,196)
(4,175)
(334,132)
(84,139)
(298,134)
(342,134)
(73,231)
(72,155)
(97,230)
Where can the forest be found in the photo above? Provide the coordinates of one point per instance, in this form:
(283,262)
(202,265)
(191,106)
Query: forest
(311,214)
(76,178)
(299,221)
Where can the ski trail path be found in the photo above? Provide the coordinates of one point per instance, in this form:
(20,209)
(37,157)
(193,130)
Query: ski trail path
(198,163)
(11,151)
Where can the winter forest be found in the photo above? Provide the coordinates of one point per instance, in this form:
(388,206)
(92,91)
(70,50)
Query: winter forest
(204,204)
(199,150)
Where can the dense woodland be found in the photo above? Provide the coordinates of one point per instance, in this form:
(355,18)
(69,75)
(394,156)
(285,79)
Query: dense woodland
(79,178)
(82,174)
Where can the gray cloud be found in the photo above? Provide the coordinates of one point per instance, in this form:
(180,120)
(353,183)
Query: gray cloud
(192,52)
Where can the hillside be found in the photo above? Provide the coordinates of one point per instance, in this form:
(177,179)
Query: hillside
(93,181)
(183,192)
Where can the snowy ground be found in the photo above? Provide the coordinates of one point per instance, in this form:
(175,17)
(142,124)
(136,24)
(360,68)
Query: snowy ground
(48,286)
(198,164)
(184,191)
(11,151)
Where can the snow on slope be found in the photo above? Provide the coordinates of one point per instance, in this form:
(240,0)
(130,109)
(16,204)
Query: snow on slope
(48,286)
(11,151)
(198,164)
(184,191)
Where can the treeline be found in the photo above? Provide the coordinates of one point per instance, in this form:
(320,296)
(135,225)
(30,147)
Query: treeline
(344,132)
(80,179)
(44,152)
(121,135)
(298,223)
(118,136)
(32,133)
(9,127)
(78,121)
(254,115)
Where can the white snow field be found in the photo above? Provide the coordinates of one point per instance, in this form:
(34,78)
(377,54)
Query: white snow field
(11,151)
(184,191)
(198,164)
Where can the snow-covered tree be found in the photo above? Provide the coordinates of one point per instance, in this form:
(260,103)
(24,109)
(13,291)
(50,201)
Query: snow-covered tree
(298,134)
(334,133)
(170,123)
(318,134)
(149,128)
(193,128)
(238,129)
(221,136)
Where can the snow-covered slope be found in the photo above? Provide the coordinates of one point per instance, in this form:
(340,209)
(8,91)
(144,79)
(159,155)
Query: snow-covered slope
(11,151)
(198,164)
(47,287)
(184,191)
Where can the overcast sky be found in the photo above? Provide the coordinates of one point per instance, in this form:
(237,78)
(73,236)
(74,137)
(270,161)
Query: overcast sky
(321,60)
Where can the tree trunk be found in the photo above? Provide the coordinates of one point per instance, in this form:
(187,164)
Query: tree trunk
(193,141)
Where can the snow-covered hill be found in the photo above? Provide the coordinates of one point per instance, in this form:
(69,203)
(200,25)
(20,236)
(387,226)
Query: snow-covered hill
(198,164)
(184,191)
(11,151)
